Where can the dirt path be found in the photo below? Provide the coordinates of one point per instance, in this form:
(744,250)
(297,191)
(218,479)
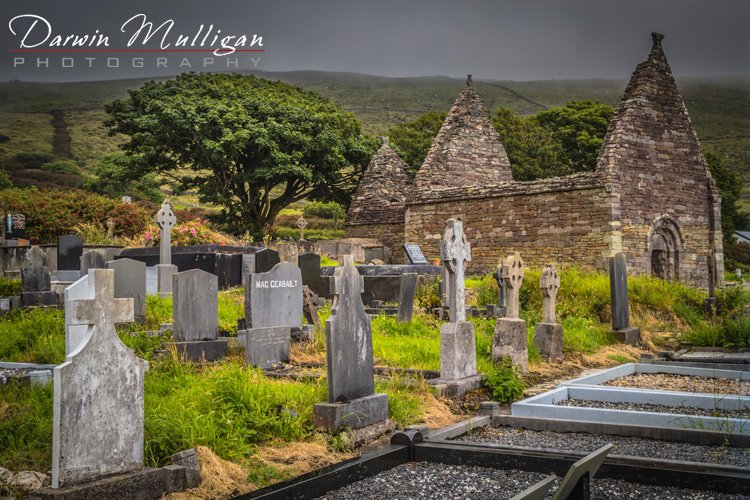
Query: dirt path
(61,139)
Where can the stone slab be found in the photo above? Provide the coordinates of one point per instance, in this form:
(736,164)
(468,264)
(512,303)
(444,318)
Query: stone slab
(354,414)
(130,282)
(147,483)
(202,350)
(67,276)
(457,387)
(274,298)
(29,299)
(630,335)
(267,347)
(92,259)
(458,353)
(548,338)
(309,265)
(195,306)
(510,340)
(69,251)
(616,372)
(265,260)
(164,281)
(618,287)
(414,254)
(407,293)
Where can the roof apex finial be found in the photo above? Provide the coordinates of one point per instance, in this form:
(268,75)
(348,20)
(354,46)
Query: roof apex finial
(383,140)
(468,80)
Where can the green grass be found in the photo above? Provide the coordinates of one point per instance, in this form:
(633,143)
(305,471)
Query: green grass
(34,335)
(9,287)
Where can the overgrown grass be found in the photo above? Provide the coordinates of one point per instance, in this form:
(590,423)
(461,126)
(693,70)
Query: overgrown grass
(9,288)
(34,335)
(231,308)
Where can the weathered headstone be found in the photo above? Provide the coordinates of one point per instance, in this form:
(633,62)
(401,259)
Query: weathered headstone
(406,296)
(91,259)
(309,264)
(301,224)
(618,287)
(414,254)
(548,334)
(166,219)
(458,357)
(352,401)
(267,347)
(130,282)
(15,227)
(274,298)
(265,259)
(501,291)
(510,331)
(35,280)
(69,251)
(98,400)
(310,304)
(195,315)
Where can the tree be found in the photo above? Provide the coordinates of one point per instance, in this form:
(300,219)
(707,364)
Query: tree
(113,178)
(729,184)
(532,149)
(579,127)
(249,145)
(412,140)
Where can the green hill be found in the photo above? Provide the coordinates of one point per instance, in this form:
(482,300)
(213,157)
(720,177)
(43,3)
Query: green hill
(720,109)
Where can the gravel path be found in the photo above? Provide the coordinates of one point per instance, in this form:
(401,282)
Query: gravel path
(672,410)
(581,442)
(683,383)
(434,481)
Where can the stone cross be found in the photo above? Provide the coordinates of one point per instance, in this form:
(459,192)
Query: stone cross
(110,228)
(455,252)
(550,284)
(512,272)
(98,393)
(301,224)
(166,220)
(501,298)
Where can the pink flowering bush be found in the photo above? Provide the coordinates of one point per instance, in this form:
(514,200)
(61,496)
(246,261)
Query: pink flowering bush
(193,232)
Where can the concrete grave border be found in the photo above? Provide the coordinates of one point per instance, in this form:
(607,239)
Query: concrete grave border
(599,378)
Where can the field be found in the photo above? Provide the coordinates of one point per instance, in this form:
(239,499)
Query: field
(719,109)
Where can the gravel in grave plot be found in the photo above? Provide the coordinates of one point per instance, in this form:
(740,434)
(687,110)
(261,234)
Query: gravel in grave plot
(683,383)
(651,407)
(581,442)
(435,481)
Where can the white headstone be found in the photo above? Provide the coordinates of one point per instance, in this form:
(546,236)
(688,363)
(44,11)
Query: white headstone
(166,220)
(455,252)
(512,272)
(98,390)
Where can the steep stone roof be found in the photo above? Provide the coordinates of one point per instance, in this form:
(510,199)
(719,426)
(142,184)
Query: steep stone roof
(383,191)
(466,151)
(651,127)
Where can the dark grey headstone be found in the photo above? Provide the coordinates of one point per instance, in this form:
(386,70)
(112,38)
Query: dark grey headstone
(15,227)
(195,306)
(618,287)
(274,298)
(130,282)
(265,259)
(35,276)
(266,347)
(92,259)
(406,296)
(349,338)
(309,265)
(69,251)
(414,254)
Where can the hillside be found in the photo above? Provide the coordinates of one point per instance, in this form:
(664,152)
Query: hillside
(720,110)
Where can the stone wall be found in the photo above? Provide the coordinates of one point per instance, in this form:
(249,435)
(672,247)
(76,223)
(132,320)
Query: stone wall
(560,220)
(390,235)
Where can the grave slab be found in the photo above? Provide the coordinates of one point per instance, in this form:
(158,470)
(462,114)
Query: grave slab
(91,259)
(202,350)
(164,276)
(69,251)
(267,347)
(510,340)
(548,338)
(195,307)
(274,298)
(130,282)
(354,414)
(458,358)
(407,293)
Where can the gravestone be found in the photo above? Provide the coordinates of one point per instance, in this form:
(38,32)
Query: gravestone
(165,219)
(265,259)
(15,227)
(274,298)
(69,251)
(309,264)
(501,291)
(91,259)
(301,224)
(36,287)
(310,305)
(130,282)
(458,357)
(510,331)
(406,296)
(98,391)
(618,287)
(267,347)
(548,334)
(352,401)
(195,315)
(414,254)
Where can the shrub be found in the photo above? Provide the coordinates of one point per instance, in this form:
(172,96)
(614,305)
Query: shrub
(504,382)
(62,167)
(9,287)
(5,181)
(194,232)
(331,210)
(33,160)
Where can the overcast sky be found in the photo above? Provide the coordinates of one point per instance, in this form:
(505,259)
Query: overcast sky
(503,39)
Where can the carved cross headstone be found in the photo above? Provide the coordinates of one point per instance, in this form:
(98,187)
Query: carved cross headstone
(455,252)
(550,284)
(301,224)
(310,304)
(98,396)
(110,228)
(501,297)
(513,270)
(166,220)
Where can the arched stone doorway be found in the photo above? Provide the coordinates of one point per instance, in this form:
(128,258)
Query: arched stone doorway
(665,248)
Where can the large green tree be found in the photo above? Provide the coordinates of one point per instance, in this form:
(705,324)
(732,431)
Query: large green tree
(249,145)
(412,140)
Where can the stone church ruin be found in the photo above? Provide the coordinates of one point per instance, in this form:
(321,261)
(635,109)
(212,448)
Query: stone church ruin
(650,196)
